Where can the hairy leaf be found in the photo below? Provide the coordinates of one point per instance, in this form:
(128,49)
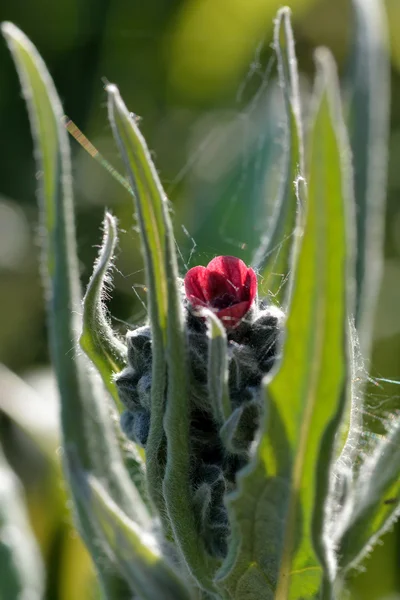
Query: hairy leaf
(148,202)
(170,489)
(319,317)
(218,369)
(273,258)
(278,509)
(373,502)
(134,550)
(88,431)
(176,485)
(97,339)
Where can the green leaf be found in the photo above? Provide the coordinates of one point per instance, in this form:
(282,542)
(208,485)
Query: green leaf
(368,93)
(350,438)
(273,258)
(233,433)
(21,569)
(217,373)
(177,487)
(149,198)
(97,340)
(373,503)
(87,426)
(319,318)
(169,483)
(105,350)
(257,515)
(372,500)
(278,509)
(134,550)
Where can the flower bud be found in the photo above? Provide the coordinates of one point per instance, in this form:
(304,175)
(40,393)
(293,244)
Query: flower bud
(226,286)
(229,288)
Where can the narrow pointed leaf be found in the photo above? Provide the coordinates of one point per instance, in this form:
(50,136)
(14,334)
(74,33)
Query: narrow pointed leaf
(148,203)
(273,258)
(103,348)
(134,551)
(170,489)
(368,118)
(83,410)
(319,316)
(88,430)
(149,198)
(277,509)
(176,485)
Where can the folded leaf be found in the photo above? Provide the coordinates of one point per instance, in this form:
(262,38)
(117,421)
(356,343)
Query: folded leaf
(97,339)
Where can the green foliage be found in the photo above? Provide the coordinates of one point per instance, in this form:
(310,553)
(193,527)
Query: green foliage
(373,505)
(301,516)
(275,253)
(159,250)
(97,340)
(88,428)
(150,216)
(288,479)
(130,547)
(368,108)
(316,380)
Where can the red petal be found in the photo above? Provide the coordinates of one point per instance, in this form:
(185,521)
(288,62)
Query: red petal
(249,290)
(226,285)
(220,292)
(196,282)
(233,269)
(232,315)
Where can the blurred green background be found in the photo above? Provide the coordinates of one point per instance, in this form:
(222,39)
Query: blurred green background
(199,74)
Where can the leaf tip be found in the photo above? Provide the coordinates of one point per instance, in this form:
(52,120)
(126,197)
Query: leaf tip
(110,223)
(114,97)
(12,33)
(8,29)
(283,12)
(112,89)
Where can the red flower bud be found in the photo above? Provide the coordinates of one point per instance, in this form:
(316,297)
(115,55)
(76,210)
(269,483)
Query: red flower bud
(226,286)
